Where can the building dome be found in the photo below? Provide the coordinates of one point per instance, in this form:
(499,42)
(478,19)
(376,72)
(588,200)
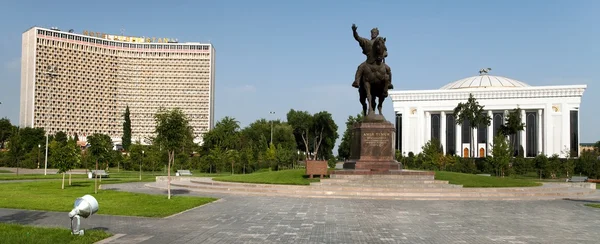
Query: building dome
(484,81)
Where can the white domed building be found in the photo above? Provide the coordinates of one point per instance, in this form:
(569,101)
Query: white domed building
(550,114)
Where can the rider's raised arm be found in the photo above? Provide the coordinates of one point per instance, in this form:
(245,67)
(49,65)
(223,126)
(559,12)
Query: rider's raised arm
(361,40)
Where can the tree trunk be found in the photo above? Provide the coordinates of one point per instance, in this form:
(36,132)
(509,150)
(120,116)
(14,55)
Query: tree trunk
(96,179)
(69,177)
(63,181)
(318,143)
(306,144)
(140,171)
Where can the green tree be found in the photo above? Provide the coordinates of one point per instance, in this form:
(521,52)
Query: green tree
(99,150)
(474,114)
(65,156)
(126,139)
(344,147)
(6,129)
(225,135)
(512,125)
(32,137)
(136,156)
(302,122)
(597,146)
(271,155)
(324,134)
(431,155)
(76,138)
(501,155)
(15,147)
(61,137)
(172,130)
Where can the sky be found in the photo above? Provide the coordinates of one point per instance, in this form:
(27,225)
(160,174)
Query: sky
(282,55)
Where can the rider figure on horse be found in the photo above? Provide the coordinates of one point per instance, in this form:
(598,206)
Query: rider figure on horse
(366,46)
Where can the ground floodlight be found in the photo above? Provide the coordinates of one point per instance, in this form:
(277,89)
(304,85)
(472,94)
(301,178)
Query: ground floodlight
(84,207)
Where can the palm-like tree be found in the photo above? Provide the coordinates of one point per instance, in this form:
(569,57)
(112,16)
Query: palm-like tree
(472,112)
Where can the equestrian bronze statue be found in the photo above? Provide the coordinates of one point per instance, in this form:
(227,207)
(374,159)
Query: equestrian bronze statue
(373,77)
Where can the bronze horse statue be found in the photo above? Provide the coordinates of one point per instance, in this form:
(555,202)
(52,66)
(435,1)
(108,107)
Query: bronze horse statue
(375,78)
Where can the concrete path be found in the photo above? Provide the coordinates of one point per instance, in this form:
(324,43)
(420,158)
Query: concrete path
(251,219)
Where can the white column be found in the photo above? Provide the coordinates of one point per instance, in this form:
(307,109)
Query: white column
(443,131)
(549,130)
(540,130)
(427,127)
(405,137)
(524,132)
(490,134)
(459,140)
(566,130)
(475,145)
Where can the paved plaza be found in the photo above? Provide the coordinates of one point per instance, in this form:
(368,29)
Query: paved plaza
(250,219)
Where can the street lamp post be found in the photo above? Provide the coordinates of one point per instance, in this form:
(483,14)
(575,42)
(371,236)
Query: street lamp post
(52,73)
(141,165)
(271,127)
(38,161)
(46,158)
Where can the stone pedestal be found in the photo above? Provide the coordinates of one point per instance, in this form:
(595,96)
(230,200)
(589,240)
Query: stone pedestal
(372,149)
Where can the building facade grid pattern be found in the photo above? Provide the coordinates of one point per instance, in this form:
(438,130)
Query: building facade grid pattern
(83,84)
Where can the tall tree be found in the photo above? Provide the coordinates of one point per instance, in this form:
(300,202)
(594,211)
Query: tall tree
(224,135)
(344,147)
(65,156)
(6,129)
(512,125)
(100,147)
(473,113)
(61,137)
(324,134)
(32,137)
(15,147)
(501,155)
(172,130)
(302,122)
(126,139)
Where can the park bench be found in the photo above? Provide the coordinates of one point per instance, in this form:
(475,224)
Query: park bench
(578,179)
(183,172)
(100,173)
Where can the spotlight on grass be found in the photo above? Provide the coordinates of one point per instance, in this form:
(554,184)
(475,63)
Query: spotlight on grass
(84,207)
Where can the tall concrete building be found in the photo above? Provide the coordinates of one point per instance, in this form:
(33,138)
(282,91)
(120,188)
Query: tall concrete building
(82,83)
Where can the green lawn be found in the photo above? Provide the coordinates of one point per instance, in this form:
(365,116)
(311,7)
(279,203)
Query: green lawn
(48,195)
(470,180)
(40,176)
(284,177)
(14,233)
(593,205)
(5,171)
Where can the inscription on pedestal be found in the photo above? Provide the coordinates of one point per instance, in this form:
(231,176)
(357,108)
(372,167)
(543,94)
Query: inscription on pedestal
(376,139)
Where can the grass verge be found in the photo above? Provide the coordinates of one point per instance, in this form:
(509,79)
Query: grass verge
(15,233)
(593,205)
(283,177)
(40,177)
(3,171)
(470,180)
(49,196)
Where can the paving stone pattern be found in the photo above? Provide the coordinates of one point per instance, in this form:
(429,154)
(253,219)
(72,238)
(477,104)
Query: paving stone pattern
(251,219)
